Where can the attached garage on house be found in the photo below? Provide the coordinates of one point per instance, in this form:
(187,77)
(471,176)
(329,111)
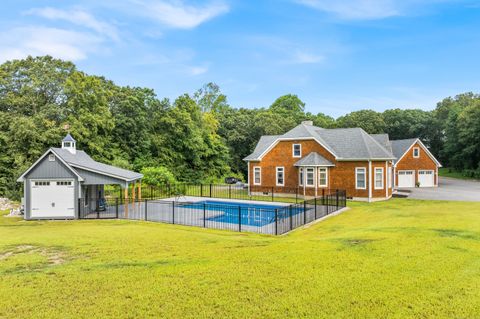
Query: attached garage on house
(63,179)
(414,164)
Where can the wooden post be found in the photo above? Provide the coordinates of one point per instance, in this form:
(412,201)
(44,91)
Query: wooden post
(133,192)
(126,201)
(139,190)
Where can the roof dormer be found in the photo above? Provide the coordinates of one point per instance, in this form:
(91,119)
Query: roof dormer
(69,144)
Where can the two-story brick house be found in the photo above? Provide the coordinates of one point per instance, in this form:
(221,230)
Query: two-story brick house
(310,160)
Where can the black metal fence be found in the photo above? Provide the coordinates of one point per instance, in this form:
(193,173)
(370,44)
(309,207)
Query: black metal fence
(227,191)
(265,218)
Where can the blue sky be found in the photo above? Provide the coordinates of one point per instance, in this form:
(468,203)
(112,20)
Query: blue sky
(337,56)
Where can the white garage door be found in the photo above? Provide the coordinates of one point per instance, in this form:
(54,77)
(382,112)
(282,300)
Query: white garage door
(426,178)
(52,199)
(406,178)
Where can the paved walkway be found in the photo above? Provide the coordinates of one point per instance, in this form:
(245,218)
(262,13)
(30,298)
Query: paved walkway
(449,189)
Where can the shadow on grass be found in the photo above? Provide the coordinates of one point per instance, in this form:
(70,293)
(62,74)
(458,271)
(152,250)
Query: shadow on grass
(463,234)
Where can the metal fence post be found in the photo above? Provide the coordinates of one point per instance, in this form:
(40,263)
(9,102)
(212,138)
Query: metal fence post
(291,220)
(276,221)
(336,196)
(296,196)
(146,210)
(323,196)
(80,208)
(239,218)
(116,208)
(272,193)
(315,202)
(97,209)
(151,192)
(304,212)
(173,212)
(230,191)
(204,216)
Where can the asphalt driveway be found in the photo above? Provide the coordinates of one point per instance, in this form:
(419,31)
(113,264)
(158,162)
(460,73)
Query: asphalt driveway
(449,189)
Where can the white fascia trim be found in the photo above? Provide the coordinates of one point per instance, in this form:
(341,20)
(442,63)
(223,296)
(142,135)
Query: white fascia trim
(424,148)
(103,173)
(330,165)
(292,139)
(363,159)
(22,177)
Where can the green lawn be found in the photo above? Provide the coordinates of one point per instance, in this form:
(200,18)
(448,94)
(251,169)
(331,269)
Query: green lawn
(450,172)
(395,259)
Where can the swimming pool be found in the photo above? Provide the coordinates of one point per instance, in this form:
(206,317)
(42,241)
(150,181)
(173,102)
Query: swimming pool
(251,214)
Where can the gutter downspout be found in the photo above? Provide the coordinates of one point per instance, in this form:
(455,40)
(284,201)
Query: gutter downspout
(369,181)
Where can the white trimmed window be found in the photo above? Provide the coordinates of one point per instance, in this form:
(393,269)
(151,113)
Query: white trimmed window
(322,177)
(310,177)
(257,175)
(360,178)
(51,158)
(378,177)
(280,176)
(416,152)
(297,150)
(300,177)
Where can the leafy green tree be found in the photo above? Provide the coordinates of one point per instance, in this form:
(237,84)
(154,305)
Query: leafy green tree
(210,99)
(369,120)
(157,176)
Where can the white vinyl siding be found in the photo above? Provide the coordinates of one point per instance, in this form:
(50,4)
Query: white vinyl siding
(322,177)
(297,150)
(257,175)
(280,176)
(360,178)
(379,178)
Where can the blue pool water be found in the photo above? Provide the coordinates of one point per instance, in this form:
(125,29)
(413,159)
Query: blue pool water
(251,214)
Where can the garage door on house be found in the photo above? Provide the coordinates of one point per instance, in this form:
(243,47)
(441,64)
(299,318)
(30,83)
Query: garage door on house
(51,199)
(426,178)
(406,178)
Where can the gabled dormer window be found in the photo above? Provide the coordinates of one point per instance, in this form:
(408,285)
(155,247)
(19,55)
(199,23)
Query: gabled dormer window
(297,150)
(416,152)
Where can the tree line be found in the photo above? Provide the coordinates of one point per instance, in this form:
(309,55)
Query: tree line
(197,137)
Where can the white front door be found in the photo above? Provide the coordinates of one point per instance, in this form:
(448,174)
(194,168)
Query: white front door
(406,178)
(52,199)
(426,178)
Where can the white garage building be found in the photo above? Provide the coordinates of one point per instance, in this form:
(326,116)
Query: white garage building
(62,178)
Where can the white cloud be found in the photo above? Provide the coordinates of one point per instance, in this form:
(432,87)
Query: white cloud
(20,42)
(301,57)
(198,70)
(177,14)
(356,9)
(77,17)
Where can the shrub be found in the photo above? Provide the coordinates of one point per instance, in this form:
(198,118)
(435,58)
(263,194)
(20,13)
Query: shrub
(157,176)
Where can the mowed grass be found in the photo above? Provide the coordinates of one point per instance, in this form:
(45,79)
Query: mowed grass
(450,172)
(395,259)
